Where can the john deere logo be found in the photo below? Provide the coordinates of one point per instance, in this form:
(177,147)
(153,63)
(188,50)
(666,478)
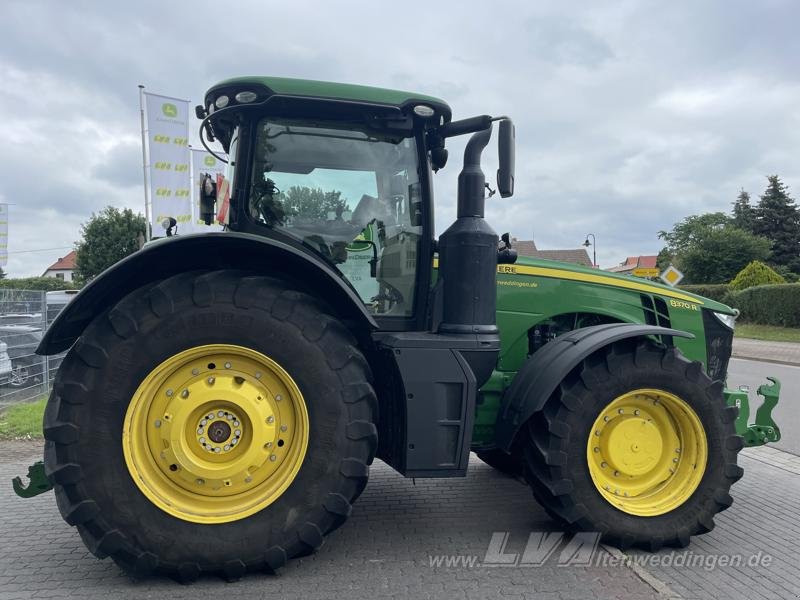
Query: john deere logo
(210,161)
(169,110)
(361,242)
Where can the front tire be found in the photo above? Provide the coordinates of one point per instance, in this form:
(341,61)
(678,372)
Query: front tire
(162,501)
(637,444)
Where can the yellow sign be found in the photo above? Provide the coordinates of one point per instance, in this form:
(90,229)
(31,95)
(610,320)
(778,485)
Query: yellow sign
(642,272)
(671,276)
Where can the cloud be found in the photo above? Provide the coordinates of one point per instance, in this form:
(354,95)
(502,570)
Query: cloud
(630,115)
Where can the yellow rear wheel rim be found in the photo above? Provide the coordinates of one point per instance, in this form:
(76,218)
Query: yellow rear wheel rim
(647,452)
(215,433)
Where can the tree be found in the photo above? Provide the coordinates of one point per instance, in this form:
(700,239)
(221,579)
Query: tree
(693,228)
(778,219)
(2,273)
(664,259)
(709,248)
(313,203)
(107,238)
(744,215)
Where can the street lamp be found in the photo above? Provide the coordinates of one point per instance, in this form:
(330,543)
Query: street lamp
(593,244)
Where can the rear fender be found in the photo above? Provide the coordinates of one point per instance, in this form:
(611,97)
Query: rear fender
(205,251)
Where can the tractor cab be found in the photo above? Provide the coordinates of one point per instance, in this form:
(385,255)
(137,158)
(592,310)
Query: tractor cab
(342,172)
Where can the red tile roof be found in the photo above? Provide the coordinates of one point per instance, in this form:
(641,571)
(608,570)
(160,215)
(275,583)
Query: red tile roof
(635,262)
(66,263)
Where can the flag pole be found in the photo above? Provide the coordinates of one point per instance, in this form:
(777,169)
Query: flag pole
(147,233)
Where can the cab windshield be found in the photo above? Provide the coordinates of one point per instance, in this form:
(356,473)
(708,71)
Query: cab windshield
(352,196)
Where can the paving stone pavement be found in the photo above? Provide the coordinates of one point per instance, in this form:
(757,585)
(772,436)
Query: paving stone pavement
(385,549)
(779,352)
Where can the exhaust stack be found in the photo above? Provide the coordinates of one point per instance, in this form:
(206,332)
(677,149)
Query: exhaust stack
(468,252)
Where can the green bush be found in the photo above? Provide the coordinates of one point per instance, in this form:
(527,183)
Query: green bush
(47,284)
(770,304)
(720,292)
(756,273)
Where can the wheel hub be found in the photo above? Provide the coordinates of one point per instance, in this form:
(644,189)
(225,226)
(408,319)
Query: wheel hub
(647,452)
(215,433)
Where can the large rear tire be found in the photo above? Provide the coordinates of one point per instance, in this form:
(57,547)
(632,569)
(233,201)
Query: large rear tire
(284,434)
(636,444)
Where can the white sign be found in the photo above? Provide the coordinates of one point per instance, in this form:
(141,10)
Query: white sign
(3,235)
(168,160)
(202,162)
(671,276)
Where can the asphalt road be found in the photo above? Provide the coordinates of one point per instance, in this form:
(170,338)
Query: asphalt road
(787,413)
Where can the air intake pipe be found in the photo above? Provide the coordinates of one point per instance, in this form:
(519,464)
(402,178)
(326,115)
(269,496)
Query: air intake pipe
(468,252)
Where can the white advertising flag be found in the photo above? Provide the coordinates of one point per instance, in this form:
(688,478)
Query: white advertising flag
(202,163)
(168,160)
(3,235)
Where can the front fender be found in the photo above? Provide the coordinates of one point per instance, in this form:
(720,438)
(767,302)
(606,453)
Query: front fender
(204,251)
(543,371)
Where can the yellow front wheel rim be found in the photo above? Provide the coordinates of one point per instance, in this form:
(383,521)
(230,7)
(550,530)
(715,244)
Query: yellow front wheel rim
(215,433)
(647,452)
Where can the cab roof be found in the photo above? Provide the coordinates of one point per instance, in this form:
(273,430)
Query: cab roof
(309,88)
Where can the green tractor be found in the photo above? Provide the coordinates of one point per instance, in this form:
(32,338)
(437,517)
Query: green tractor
(225,393)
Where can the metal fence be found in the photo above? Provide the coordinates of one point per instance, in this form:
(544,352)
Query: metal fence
(24,317)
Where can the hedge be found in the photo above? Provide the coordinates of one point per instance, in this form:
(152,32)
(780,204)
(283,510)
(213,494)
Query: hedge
(716,291)
(770,304)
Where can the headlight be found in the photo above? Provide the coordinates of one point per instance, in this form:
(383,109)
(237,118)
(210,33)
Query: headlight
(245,97)
(728,320)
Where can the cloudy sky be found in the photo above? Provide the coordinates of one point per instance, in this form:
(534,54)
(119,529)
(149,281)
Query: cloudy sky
(629,114)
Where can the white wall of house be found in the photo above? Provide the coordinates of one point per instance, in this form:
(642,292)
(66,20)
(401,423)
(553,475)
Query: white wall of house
(65,274)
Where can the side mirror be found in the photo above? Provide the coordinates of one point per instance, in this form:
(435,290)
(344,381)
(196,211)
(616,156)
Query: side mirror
(505,151)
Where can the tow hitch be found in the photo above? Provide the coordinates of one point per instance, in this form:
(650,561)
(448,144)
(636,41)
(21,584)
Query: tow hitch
(38,483)
(764,430)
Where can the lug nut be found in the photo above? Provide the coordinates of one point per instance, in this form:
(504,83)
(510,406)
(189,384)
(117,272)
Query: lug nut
(227,365)
(195,371)
(596,449)
(199,481)
(270,419)
(273,458)
(210,380)
(284,428)
(636,412)
(169,392)
(258,375)
(278,398)
(603,464)
(185,394)
(157,423)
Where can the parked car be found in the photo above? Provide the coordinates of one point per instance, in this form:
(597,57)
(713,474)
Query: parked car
(26,366)
(5,363)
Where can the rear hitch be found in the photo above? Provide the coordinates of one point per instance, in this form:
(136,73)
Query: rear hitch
(38,483)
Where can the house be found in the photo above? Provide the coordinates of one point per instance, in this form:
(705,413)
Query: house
(635,262)
(63,268)
(579,256)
